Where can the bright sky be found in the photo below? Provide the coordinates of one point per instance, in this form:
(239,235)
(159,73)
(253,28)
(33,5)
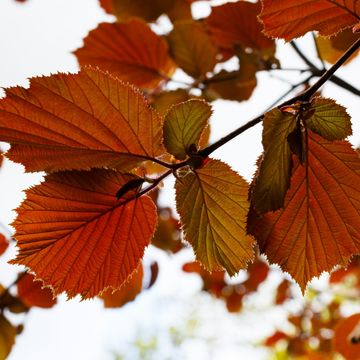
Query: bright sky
(36,38)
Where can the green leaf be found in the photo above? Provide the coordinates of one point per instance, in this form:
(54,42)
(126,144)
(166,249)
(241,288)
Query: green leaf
(273,179)
(212,204)
(328,119)
(184,125)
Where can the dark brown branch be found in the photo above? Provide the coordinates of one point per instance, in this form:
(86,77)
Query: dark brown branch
(319,72)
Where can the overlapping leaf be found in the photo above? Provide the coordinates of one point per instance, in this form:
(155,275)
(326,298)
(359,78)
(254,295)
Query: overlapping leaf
(130,51)
(282,135)
(128,292)
(79,121)
(77,237)
(191,48)
(236,24)
(212,204)
(184,125)
(32,293)
(272,181)
(4,243)
(319,225)
(331,49)
(233,85)
(293,18)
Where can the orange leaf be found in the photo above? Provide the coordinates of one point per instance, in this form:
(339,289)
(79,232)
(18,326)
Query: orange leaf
(127,293)
(79,121)
(319,225)
(346,340)
(130,51)
(212,204)
(3,244)
(32,293)
(75,235)
(223,24)
(293,18)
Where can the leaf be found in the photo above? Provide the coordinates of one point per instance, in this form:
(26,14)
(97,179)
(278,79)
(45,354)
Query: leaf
(130,51)
(147,10)
(293,18)
(7,337)
(79,121)
(282,134)
(3,244)
(223,24)
(346,333)
(331,49)
(32,293)
(319,225)
(183,126)
(128,292)
(328,119)
(234,85)
(191,48)
(271,183)
(164,100)
(77,237)
(212,204)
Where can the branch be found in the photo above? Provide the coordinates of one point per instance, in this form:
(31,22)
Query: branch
(304,96)
(319,72)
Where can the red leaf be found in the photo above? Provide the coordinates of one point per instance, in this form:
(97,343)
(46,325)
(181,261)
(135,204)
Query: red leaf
(127,293)
(77,237)
(32,292)
(79,121)
(293,18)
(223,24)
(3,244)
(130,51)
(319,225)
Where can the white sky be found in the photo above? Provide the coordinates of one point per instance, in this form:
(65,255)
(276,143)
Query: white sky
(36,38)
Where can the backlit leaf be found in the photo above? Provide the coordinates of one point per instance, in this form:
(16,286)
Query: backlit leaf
(3,244)
(226,31)
(233,85)
(212,204)
(32,292)
(79,121)
(328,119)
(271,183)
(319,225)
(77,237)
(346,339)
(128,292)
(183,126)
(191,48)
(293,18)
(332,48)
(130,51)
(7,337)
